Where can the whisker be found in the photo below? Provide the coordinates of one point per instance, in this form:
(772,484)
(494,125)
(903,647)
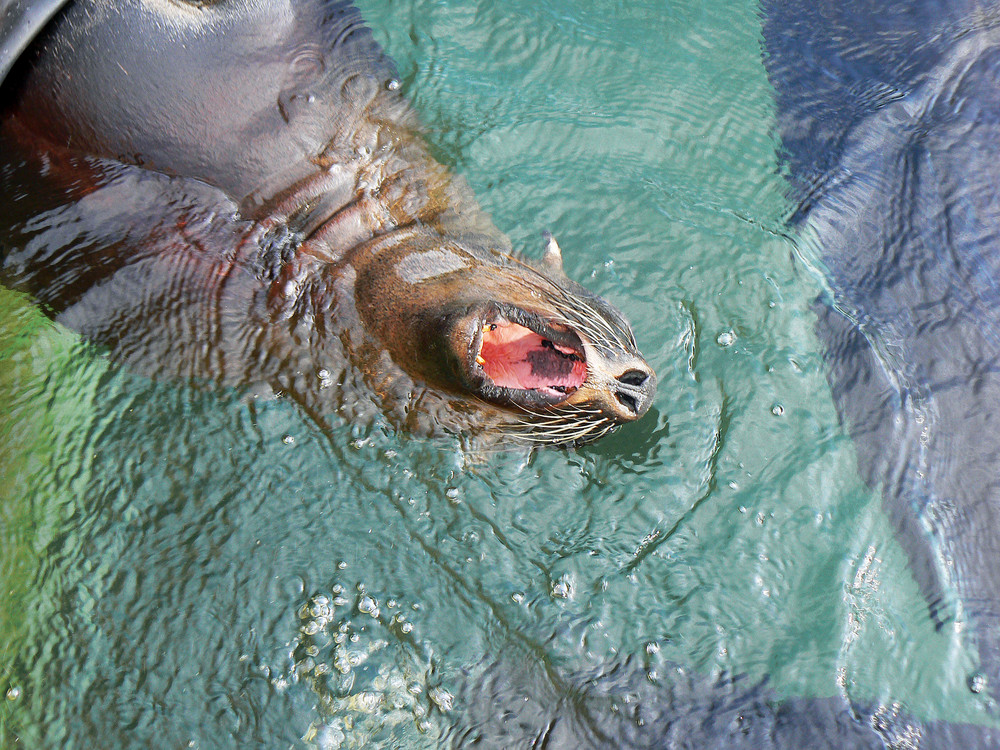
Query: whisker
(585,326)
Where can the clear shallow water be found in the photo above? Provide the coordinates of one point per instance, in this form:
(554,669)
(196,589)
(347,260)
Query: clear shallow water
(185,567)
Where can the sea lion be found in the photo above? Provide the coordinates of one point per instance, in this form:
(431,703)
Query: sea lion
(235,192)
(888,119)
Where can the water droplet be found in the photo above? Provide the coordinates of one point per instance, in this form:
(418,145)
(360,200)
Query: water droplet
(726,338)
(392,84)
(777,410)
(287,439)
(652,647)
(13,693)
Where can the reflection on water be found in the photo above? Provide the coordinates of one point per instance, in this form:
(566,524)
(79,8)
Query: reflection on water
(206,569)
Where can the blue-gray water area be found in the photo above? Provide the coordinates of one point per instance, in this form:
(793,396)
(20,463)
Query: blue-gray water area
(184,567)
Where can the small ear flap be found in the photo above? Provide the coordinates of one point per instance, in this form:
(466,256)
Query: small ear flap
(552,262)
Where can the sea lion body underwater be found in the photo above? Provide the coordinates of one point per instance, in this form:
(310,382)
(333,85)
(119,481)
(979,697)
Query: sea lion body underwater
(235,192)
(889,122)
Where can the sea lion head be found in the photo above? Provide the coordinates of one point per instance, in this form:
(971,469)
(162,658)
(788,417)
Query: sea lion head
(553,362)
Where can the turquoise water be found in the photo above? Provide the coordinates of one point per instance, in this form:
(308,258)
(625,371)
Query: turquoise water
(184,567)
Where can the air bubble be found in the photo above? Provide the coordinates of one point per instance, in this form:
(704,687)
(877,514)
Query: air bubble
(441,698)
(726,338)
(977,683)
(320,607)
(368,606)
(367,701)
(563,588)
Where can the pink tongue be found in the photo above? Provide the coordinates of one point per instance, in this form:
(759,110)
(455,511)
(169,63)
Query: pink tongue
(516,357)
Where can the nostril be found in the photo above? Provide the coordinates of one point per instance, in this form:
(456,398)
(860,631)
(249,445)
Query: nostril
(635,390)
(628,401)
(633,377)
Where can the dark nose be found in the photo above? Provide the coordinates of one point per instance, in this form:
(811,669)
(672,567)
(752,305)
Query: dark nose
(635,389)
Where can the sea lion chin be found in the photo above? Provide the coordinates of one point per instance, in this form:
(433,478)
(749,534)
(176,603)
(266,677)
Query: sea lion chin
(305,239)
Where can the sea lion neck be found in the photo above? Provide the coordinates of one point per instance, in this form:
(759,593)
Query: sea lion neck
(366,203)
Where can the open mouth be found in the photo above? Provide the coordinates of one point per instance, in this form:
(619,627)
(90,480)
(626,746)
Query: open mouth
(549,364)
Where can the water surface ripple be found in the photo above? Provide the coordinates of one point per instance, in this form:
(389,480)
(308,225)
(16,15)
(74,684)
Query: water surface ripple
(186,568)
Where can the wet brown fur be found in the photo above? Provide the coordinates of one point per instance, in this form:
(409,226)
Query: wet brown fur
(317,277)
